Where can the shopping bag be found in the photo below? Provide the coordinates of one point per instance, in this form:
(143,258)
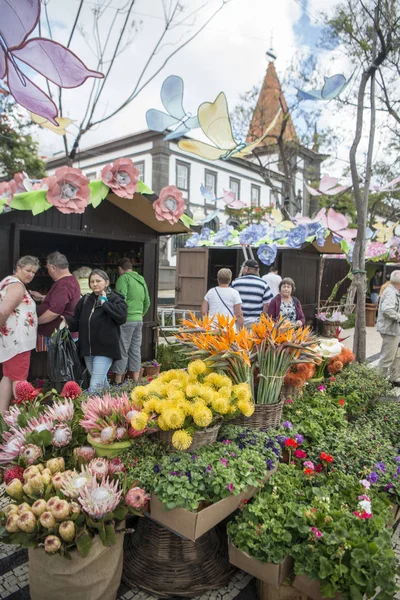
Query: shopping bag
(63,361)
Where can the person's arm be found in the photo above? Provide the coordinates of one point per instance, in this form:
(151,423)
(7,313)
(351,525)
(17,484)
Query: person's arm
(204,308)
(267,298)
(237,309)
(271,309)
(301,319)
(146,303)
(47,317)
(117,309)
(388,308)
(13,298)
(122,286)
(73,321)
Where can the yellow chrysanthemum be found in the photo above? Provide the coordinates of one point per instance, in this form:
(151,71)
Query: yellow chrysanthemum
(172,374)
(173,417)
(197,368)
(162,424)
(193,389)
(221,405)
(206,394)
(242,391)
(139,421)
(224,392)
(202,416)
(226,382)
(140,392)
(151,405)
(182,440)
(246,408)
(174,394)
(185,406)
(218,381)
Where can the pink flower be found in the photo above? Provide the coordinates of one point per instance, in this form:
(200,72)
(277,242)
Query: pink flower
(122,177)
(289,401)
(170,205)
(223,461)
(71,390)
(115,466)
(363,515)
(309,465)
(321,388)
(7,190)
(300,453)
(137,497)
(316,532)
(230,487)
(365,483)
(68,190)
(24,392)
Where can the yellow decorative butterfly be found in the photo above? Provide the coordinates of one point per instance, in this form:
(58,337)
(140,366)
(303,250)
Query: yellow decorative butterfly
(62,124)
(385,232)
(278,219)
(216,125)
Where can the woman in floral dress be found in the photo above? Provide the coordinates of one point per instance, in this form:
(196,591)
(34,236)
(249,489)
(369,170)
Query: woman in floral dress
(18,327)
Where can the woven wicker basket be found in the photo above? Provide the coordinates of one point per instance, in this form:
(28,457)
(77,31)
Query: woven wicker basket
(162,563)
(264,416)
(203,437)
(328,328)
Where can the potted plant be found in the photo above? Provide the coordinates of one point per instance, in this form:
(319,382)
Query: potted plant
(329,321)
(151,368)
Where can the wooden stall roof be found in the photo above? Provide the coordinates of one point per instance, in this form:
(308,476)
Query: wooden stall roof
(141,208)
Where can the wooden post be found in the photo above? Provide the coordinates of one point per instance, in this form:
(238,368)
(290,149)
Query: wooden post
(320,275)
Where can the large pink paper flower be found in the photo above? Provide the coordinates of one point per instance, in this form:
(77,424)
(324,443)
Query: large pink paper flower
(68,190)
(7,190)
(170,205)
(122,177)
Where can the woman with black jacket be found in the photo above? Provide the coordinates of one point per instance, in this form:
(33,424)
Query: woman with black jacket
(98,317)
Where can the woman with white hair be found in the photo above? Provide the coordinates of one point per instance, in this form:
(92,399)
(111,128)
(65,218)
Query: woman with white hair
(388,325)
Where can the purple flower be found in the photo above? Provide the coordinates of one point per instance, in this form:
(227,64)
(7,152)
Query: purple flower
(299,438)
(252,234)
(233,454)
(313,228)
(188,475)
(321,237)
(174,473)
(205,234)
(373,477)
(230,487)
(270,464)
(156,468)
(208,469)
(381,466)
(287,424)
(223,461)
(398,469)
(193,241)
(397,459)
(223,234)
(280,439)
(297,236)
(194,456)
(267,253)
(227,442)
(321,388)
(388,487)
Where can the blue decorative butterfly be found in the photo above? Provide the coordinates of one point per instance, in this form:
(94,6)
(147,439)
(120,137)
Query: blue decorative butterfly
(332,88)
(172,99)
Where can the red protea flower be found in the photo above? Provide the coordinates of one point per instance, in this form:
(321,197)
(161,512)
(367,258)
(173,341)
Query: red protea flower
(25,392)
(71,390)
(14,473)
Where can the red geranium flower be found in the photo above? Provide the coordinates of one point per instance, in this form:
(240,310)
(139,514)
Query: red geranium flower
(300,453)
(326,457)
(308,471)
(341,402)
(291,443)
(318,468)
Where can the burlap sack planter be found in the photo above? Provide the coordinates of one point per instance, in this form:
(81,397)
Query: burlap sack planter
(274,574)
(311,588)
(96,577)
(267,591)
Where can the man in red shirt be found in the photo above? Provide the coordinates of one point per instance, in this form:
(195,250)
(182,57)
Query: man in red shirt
(62,297)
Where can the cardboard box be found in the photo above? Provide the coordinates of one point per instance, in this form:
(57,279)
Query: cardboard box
(267,591)
(311,588)
(396,512)
(267,572)
(192,525)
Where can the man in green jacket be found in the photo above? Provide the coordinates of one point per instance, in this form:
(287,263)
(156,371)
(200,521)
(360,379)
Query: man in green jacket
(133,288)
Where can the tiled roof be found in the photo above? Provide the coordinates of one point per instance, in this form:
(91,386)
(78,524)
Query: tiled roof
(270,100)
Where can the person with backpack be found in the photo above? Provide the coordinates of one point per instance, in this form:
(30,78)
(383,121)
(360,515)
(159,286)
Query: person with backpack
(223,299)
(133,288)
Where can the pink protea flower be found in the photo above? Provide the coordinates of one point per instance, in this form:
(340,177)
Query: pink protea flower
(25,392)
(96,411)
(68,190)
(13,441)
(13,473)
(108,434)
(62,435)
(61,411)
(71,390)
(137,497)
(11,416)
(30,453)
(73,482)
(99,498)
(170,205)
(122,177)
(121,433)
(44,422)
(98,467)
(84,454)
(115,466)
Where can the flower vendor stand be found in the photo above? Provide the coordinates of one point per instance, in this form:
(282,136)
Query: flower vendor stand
(165,565)
(267,572)
(95,577)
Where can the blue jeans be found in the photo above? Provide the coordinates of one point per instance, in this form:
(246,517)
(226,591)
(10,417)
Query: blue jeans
(98,367)
(374,297)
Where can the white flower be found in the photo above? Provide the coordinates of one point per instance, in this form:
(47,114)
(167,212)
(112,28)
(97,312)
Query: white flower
(366,505)
(329,348)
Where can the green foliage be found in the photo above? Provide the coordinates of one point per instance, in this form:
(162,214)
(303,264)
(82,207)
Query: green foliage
(18,150)
(171,356)
(367,382)
(350,323)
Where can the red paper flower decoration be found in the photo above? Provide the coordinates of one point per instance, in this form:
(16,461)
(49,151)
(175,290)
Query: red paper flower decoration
(170,205)
(68,190)
(122,177)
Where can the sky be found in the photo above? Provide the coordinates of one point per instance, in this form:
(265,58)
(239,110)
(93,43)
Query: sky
(229,55)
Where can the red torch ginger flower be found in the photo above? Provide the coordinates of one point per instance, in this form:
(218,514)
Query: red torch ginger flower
(13,473)
(170,205)
(98,467)
(99,498)
(71,390)
(68,190)
(122,177)
(25,392)
(137,497)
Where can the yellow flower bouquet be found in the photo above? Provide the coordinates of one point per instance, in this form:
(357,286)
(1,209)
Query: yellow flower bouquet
(191,401)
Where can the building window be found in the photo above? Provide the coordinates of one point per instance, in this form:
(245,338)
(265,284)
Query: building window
(140,168)
(182,176)
(210,180)
(234,185)
(255,195)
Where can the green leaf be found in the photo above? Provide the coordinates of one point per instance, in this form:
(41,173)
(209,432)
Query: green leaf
(84,544)
(110,535)
(22,420)
(325,568)
(33,201)
(188,221)
(121,512)
(142,188)
(345,246)
(98,191)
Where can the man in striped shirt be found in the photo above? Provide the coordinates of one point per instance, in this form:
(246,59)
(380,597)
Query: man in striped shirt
(254,292)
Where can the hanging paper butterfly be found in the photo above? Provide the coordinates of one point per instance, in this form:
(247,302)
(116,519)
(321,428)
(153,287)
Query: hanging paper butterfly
(328,187)
(216,125)
(172,99)
(384,232)
(391,186)
(332,88)
(62,123)
(52,60)
(228,198)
